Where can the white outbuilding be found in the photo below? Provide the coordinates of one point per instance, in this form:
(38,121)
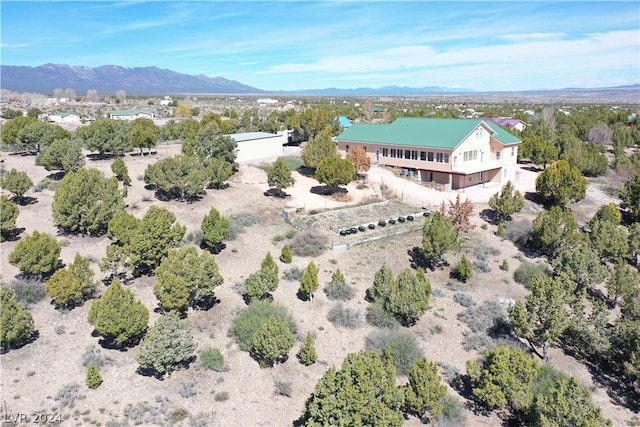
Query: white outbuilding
(254,146)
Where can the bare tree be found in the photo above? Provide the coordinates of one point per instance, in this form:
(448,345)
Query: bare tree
(600,134)
(57,93)
(121,95)
(548,118)
(367,110)
(69,93)
(92,95)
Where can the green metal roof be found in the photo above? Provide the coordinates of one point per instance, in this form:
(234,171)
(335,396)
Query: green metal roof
(434,133)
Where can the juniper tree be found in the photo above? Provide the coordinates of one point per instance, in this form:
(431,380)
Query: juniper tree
(309,282)
(425,389)
(9,212)
(408,297)
(94,378)
(36,255)
(272,341)
(507,202)
(63,155)
(438,236)
(307,354)
(118,315)
(286,256)
(16,182)
(85,202)
(16,322)
(361,392)
(186,279)
(215,228)
(168,343)
(279,175)
(120,170)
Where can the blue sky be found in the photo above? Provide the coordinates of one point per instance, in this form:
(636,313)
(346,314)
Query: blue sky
(289,45)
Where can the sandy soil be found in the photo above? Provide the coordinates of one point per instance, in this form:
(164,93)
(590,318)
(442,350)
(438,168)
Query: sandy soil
(33,375)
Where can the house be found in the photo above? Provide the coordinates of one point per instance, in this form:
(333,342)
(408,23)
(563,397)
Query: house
(267,101)
(456,153)
(507,122)
(166,101)
(132,114)
(64,117)
(258,145)
(344,122)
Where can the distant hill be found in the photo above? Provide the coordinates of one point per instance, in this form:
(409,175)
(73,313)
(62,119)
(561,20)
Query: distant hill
(108,79)
(386,90)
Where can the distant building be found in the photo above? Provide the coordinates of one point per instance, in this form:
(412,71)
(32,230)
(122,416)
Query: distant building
(455,153)
(267,101)
(132,114)
(258,145)
(64,117)
(507,122)
(166,101)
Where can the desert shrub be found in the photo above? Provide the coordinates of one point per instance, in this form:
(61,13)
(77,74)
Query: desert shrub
(403,347)
(476,342)
(294,274)
(221,397)
(68,394)
(464,299)
(92,354)
(346,317)
(239,221)
(484,226)
(505,265)
(178,415)
(528,271)
(290,233)
(46,184)
(339,291)
(310,243)
(28,291)
(251,318)
(278,238)
(481,318)
(379,317)
(212,359)
(282,387)
(517,231)
(452,414)
(194,237)
(481,266)
(188,387)
(201,419)
(484,252)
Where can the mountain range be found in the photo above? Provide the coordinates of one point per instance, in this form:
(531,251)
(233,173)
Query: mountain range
(108,79)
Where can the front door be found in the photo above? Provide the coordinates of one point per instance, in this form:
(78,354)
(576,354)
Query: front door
(377,156)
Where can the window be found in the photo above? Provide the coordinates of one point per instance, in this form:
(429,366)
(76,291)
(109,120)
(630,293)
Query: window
(513,151)
(365,148)
(498,155)
(479,132)
(430,156)
(468,156)
(346,148)
(407,154)
(504,173)
(385,152)
(414,155)
(446,158)
(423,155)
(393,152)
(439,157)
(470,178)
